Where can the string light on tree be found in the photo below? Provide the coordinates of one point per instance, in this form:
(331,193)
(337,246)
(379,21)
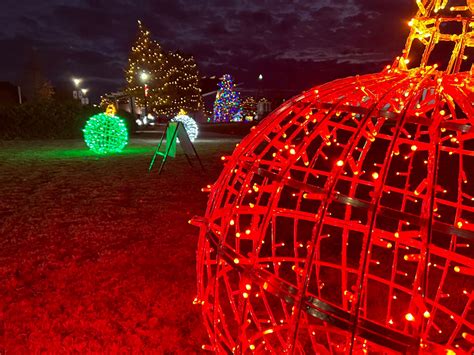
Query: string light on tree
(106,133)
(227,106)
(172,78)
(77,82)
(190,125)
(249,108)
(349,211)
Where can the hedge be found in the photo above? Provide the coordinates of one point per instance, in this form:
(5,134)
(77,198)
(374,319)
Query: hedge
(48,119)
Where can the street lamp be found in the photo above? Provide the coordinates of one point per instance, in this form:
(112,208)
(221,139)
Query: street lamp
(85,91)
(260,85)
(76,93)
(77,82)
(144,78)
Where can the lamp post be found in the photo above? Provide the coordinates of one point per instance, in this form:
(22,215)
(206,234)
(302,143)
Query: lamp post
(77,82)
(260,85)
(76,93)
(260,100)
(144,78)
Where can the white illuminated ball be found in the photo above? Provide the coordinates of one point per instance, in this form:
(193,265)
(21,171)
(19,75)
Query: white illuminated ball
(190,125)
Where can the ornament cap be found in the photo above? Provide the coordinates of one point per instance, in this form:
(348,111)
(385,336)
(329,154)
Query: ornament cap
(441,32)
(110,110)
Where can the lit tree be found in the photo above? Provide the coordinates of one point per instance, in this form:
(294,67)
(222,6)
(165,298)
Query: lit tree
(227,105)
(146,57)
(181,90)
(171,78)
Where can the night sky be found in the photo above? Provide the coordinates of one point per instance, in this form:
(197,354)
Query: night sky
(294,43)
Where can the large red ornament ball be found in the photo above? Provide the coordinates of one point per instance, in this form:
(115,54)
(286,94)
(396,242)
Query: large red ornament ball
(344,222)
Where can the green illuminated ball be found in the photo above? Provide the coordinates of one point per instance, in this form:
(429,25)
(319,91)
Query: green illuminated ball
(106,134)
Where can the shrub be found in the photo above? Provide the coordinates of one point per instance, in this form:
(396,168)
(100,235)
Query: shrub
(44,119)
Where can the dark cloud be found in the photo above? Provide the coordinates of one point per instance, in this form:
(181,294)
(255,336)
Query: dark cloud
(294,43)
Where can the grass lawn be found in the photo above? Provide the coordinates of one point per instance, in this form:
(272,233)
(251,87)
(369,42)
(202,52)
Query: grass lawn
(96,253)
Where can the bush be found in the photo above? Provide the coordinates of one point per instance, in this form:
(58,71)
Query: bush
(44,119)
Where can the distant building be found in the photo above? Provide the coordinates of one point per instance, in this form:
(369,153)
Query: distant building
(267,100)
(264,107)
(9,94)
(122,101)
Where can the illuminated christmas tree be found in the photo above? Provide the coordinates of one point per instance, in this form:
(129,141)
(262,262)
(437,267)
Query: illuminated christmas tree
(181,89)
(169,80)
(227,106)
(146,60)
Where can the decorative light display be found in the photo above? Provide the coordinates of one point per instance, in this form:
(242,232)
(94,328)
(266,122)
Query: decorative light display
(249,108)
(190,125)
(149,120)
(172,81)
(227,105)
(344,222)
(106,133)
